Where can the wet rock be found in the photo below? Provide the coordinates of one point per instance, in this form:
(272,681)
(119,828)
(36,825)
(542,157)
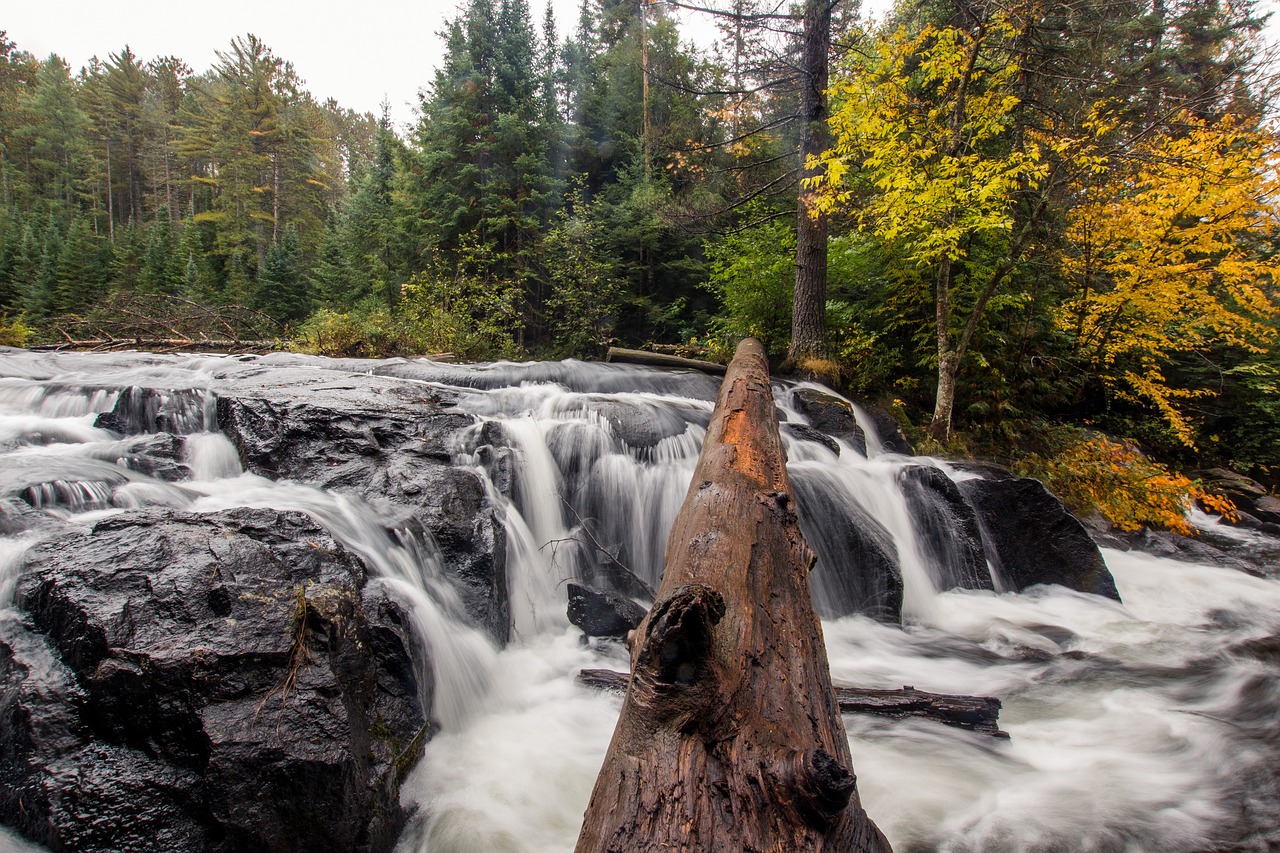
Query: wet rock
(857,568)
(1252,552)
(153,410)
(1250,496)
(642,427)
(947,527)
(830,415)
(208,683)
(888,429)
(1031,538)
(603,614)
(804,432)
(395,452)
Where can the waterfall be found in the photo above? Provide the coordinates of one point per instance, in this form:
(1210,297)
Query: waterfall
(1146,725)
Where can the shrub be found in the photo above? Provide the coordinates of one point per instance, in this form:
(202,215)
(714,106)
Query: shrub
(14,333)
(1093,472)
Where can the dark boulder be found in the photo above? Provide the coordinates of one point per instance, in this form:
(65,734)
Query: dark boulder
(830,415)
(1249,496)
(947,527)
(888,430)
(392,446)
(213,683)
(857,569)
(641,426)
(1031,538)
(804,432)
(603,614)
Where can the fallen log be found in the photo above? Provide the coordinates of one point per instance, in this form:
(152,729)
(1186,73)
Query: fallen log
(730,738)
(158,344)
(658,359)
(975,713)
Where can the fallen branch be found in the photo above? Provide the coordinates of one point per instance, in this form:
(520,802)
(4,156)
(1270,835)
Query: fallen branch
(975,713)
(157,344)
(657,359)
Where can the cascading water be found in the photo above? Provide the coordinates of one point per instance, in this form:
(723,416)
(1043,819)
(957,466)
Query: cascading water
(1141,726)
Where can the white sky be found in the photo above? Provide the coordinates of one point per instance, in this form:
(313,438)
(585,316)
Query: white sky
(356,52)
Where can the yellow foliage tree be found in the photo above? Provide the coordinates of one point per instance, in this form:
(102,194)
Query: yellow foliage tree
(923,121)
(1162,253)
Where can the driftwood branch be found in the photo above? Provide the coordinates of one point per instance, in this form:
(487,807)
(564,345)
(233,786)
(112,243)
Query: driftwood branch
(975,713)
(657,359)
(730,737)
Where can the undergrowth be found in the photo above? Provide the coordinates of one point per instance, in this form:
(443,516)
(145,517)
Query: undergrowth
(1089,472)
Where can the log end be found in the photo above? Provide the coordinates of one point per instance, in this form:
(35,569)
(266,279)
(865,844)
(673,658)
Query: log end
(822,785)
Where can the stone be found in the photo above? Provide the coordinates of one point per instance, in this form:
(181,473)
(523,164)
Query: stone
(206,682)
(947,527)
(857,569)
(830,415)
(603,614)
(392,449)
(1030,538)
(1250,496)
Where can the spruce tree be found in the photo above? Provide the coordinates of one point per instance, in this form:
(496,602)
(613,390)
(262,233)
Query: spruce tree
(282,291)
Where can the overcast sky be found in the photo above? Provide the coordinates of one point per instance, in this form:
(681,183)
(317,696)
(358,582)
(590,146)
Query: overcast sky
(358,52)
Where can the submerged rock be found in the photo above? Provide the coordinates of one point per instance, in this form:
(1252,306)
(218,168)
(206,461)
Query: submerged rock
(1031,538)
(214,683)
(603,614)
(857,569)
(391,445)
(831,416)
(948,529)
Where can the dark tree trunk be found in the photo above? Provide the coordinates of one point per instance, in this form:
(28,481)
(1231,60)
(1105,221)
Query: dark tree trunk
(730,738)
(809,306)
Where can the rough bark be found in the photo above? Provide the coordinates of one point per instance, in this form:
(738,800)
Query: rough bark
(730,738)
(809,305)
(974,713)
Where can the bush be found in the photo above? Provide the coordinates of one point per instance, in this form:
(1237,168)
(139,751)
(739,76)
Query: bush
(1093,472)
(14,333)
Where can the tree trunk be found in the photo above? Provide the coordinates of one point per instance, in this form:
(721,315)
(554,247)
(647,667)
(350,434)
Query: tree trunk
(809,305)
(730,738)
(948,363)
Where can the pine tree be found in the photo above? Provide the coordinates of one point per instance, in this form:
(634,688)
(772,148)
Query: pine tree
(282,290)
(77,282)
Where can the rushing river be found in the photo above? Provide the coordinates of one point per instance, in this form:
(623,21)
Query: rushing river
(1151,725)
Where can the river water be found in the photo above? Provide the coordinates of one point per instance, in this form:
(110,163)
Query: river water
(1150,725)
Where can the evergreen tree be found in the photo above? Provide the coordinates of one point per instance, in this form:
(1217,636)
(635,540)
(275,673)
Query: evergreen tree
(77,281)
(334,283)
(282,291)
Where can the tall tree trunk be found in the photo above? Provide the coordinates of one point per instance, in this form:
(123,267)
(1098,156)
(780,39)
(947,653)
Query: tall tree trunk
(168,181)
(948,362)
(730,737)
(111,210)
(809,305)
(646,130)
(275,199)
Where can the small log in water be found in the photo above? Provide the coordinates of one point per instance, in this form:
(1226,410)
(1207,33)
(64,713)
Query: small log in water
(730,737)
(658,359)
(975,713)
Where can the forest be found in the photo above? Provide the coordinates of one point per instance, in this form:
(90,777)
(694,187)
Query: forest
(1044,233)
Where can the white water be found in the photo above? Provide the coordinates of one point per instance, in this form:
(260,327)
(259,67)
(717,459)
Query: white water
(1134,727)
